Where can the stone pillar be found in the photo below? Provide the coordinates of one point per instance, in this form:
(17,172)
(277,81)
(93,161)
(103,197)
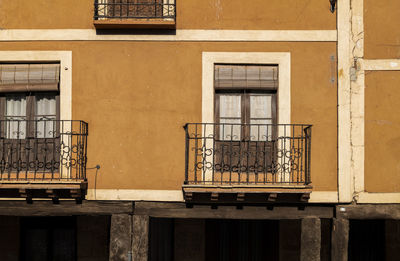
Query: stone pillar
(120,237)
(340,239)
(140,238)
(310,239)
(392,228)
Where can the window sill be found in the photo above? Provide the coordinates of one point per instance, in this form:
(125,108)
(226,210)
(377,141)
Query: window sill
(134,24)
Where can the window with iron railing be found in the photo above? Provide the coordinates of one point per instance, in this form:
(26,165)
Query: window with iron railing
(34,142)
(245,145)
(281,159)
(134,9)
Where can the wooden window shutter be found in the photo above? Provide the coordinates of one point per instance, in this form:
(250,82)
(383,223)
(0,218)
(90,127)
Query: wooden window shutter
(29,77)
(246,76)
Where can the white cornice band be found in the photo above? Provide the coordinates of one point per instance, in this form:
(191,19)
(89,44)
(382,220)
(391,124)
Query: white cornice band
(177,195)
(11,35)
(380,65)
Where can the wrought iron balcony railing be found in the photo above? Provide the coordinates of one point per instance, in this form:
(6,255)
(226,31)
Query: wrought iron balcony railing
(134,9)
(247,154)
(43,150)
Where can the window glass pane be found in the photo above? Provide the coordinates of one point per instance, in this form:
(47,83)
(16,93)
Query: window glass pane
(45,105)
(260,106)
(15,116)
(45,128)
(230,131)
(45,116)
(15,105)
(262,131)
(230,106)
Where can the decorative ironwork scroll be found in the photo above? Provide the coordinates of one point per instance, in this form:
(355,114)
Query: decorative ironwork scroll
(43,150)
(269,154)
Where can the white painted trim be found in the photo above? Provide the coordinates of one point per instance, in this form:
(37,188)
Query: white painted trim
(181,35)
(177,195)
(65,59)
(135,194)
(323,197)
(378,198)
(380,65)
(281,59)
(358,106)
(357,95)
(345,181)
(211,58)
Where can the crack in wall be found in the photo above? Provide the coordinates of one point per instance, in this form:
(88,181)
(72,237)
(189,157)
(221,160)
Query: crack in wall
(356,90)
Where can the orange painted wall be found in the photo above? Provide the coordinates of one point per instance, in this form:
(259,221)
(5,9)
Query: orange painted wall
(382,132)
(191,14)
(381,23)
(136,97)
(255,14)
(46,14)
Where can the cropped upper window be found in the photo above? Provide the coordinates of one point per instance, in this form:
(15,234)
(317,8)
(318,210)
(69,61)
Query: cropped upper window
(134,13)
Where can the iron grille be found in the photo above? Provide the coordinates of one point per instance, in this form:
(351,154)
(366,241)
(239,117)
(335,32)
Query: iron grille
(43,150)
(134,9)
(247,154)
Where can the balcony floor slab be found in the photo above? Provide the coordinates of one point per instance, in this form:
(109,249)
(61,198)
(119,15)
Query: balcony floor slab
(246,194)
(52,189)
(134,24)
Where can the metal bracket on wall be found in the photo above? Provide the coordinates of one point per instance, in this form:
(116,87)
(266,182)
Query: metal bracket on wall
(333,5)
(333,63)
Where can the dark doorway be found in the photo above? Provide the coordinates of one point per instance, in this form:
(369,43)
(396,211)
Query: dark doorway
(161,240)
(242,240)
(367,240)
(48,239)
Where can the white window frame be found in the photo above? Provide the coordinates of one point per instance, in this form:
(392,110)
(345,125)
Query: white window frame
(65,60)
(282,59)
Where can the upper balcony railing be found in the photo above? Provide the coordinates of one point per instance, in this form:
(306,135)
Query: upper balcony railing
(134,9)
(43,150)
(247,154)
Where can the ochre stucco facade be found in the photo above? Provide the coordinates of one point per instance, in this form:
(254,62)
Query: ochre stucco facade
(382,128)
(381,23)
(136,105)
(191,14)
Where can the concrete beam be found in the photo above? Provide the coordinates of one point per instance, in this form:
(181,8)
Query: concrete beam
(388,211)
(179,210)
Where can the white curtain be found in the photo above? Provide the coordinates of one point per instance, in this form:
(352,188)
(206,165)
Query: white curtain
(45,116)
(230,112)
(16,116)
(260,113)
